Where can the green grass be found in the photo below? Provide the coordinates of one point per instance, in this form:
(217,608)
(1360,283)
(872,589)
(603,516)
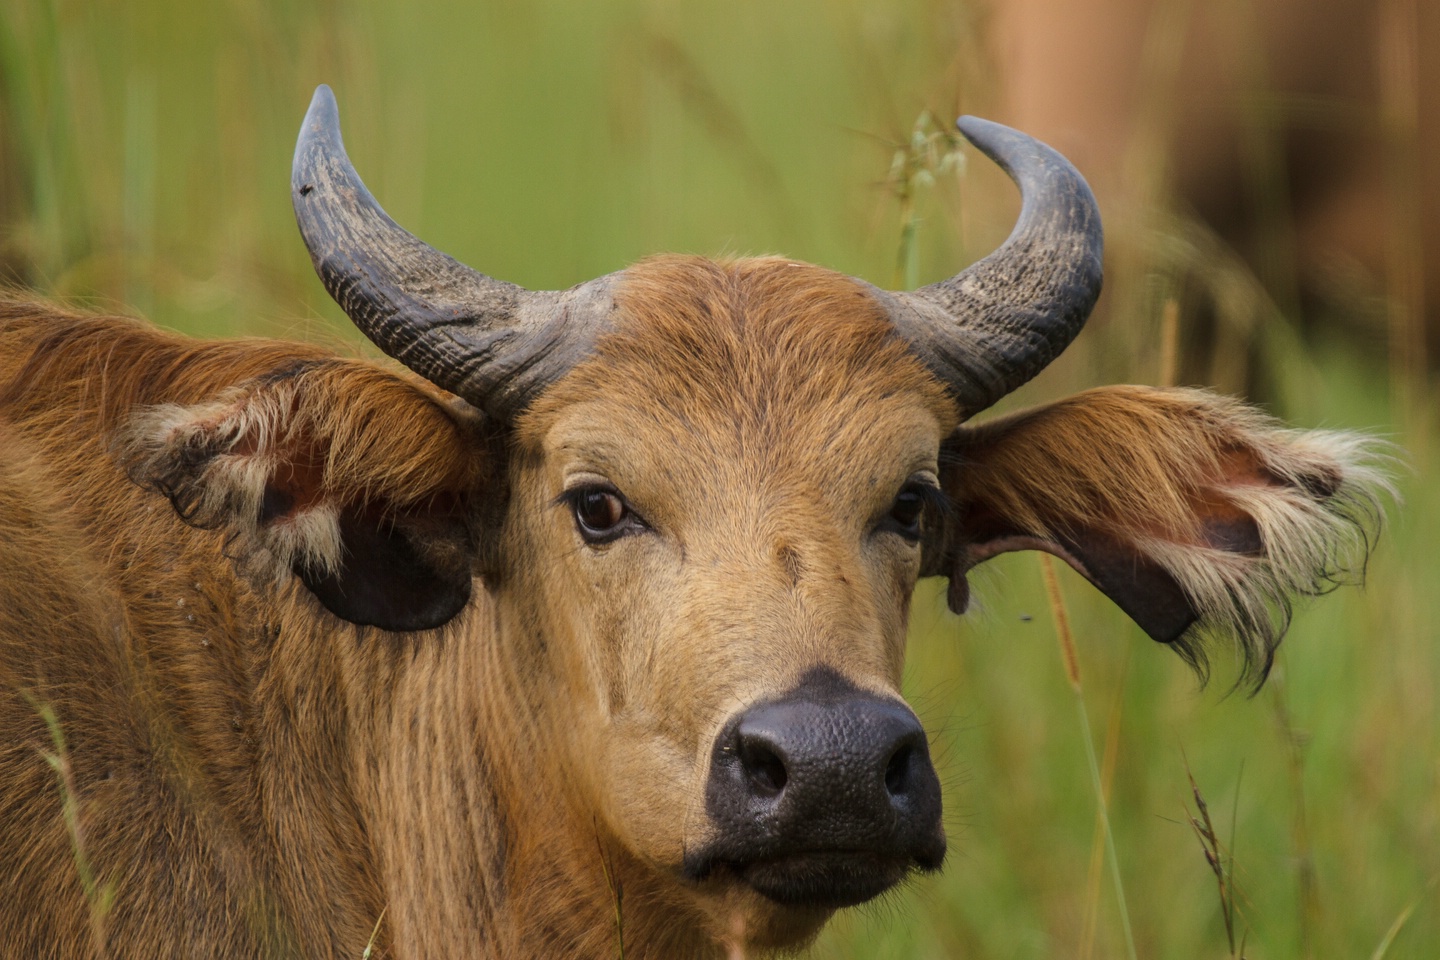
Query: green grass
(144,159)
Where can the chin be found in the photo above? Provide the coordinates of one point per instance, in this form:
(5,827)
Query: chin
(826,880)
(760,925)
(781,903)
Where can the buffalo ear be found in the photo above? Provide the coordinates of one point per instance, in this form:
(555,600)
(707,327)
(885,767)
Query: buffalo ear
(1142,587)
(410,571)
(356,481)
(1195,514)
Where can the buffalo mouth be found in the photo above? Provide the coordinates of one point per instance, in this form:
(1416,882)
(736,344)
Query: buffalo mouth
(823,879)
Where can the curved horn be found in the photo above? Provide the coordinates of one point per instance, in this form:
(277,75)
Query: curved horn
(999,322)
(491,342)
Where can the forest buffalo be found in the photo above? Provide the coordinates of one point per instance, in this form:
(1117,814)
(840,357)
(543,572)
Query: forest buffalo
(589,622)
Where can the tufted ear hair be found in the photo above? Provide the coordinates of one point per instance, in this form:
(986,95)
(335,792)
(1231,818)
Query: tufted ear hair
(1196,514)
(355,480)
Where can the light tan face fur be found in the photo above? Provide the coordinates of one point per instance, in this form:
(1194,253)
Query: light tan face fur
(760,424)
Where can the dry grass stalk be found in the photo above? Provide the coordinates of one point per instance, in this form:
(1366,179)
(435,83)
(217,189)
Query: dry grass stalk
(1072,673)
(370,944)
(100,896)
(617,897)
(1295,742)
(1220,860)
(1097,845)
(1062,624)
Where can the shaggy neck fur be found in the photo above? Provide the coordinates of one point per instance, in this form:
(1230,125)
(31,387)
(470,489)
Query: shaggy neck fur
(327,784)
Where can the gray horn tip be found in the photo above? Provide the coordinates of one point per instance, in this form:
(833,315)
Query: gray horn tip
(319,136)
(323,95)
(972,126)
(1000,143)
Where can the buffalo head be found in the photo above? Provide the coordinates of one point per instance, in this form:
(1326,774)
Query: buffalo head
(715,485)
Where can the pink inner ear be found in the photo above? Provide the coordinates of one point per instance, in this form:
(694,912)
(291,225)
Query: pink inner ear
(297,483)
(1222,525)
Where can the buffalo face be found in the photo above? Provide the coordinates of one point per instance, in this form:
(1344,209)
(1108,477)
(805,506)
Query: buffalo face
(723,578)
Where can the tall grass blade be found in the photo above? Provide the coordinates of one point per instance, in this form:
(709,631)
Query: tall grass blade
(1072,673)
(1394,931)
(1295,741)
(99,896)
(1097,844)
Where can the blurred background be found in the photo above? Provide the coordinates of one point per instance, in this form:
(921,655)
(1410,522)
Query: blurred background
(1269,171)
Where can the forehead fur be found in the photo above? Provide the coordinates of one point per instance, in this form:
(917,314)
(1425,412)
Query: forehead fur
(755,340)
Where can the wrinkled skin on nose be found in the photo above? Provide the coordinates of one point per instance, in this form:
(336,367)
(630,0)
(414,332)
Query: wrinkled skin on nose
(822,797)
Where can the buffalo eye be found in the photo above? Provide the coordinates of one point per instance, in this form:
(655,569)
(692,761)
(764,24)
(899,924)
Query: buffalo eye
(601,514)
(908,509)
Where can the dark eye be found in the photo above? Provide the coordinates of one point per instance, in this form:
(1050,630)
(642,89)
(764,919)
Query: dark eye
(601,514)
(908,509)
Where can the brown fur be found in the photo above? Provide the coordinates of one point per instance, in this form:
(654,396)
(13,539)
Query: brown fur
(258,778)
(183,678)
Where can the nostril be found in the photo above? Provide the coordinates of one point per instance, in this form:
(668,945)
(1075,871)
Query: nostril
(764,768)
(897,771)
